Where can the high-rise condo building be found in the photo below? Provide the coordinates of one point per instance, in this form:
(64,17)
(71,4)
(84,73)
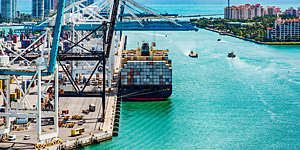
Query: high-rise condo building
(8,8)
(244,11)
(284,30)
(47,6)
(291,11)
(273,10)
(38,9)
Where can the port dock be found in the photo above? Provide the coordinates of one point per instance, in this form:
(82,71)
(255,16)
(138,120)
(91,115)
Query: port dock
(95,130)
(60,78)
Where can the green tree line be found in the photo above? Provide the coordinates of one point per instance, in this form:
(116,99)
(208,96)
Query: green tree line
(255,29)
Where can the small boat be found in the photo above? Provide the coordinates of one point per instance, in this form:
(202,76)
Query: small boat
(219,40)
(231,55)
(193,54)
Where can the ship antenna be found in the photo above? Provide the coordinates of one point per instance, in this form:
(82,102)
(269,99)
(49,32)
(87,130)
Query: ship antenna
(154,36)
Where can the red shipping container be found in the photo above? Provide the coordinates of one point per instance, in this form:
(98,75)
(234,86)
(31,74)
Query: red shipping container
(15,40)
(65,111)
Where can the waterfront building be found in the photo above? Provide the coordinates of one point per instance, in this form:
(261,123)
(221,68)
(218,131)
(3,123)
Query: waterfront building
(244,11)
(284,30)
(291,12)
(273,10)
(42,8)
(54,5)
(47,7)
(8,9)
(38,10)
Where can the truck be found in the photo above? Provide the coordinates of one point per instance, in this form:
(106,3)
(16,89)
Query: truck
(76,132)
(12,137)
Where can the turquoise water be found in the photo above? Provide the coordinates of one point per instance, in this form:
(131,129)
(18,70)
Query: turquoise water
(251,102)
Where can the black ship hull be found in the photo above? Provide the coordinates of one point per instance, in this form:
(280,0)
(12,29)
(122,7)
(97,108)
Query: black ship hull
(146,93)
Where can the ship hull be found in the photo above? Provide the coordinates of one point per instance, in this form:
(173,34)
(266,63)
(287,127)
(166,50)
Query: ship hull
(146,93)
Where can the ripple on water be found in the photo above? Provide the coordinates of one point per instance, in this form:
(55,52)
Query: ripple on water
(218,103)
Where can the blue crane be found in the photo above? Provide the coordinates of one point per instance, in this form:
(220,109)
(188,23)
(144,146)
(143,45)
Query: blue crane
(56,36)
(53,52)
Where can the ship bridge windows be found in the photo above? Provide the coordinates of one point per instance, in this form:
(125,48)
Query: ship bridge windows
(145,49)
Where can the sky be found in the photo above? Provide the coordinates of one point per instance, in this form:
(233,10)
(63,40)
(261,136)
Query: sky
(25,5)
(219,1)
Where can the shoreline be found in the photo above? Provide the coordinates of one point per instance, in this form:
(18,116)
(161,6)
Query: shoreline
(250,40)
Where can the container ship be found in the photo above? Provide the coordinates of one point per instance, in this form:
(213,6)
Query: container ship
(146,74)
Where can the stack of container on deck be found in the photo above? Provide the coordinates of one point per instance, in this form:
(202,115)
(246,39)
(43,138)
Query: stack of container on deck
(146,73)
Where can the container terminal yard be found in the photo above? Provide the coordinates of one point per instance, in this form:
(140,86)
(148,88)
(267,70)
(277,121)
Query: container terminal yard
(60,79)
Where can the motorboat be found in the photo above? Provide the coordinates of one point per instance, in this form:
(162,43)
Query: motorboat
(193,54)
(231,55)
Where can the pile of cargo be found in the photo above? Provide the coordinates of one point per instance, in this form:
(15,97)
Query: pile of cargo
(28,39)
(2,85)
(13,38)
(67,45)
(13,97)
(25,84)
(19,93)
(26,42)
(146,73)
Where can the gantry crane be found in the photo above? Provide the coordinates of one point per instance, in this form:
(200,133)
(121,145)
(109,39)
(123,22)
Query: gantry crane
(103,20)
(11,71)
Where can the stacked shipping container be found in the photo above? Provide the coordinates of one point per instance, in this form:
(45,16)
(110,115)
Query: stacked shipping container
(146,73)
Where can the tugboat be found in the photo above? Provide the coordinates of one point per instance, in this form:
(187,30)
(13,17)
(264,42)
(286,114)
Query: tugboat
(231,55)
(193,54)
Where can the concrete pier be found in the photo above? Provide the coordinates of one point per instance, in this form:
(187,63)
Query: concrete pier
(94,130)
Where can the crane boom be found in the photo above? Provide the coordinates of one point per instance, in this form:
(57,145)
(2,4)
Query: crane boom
(56,36)
(151,12)
(111,30)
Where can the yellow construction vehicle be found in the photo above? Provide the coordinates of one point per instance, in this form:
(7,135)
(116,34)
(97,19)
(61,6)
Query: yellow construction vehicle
(77,117)
(76,132)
